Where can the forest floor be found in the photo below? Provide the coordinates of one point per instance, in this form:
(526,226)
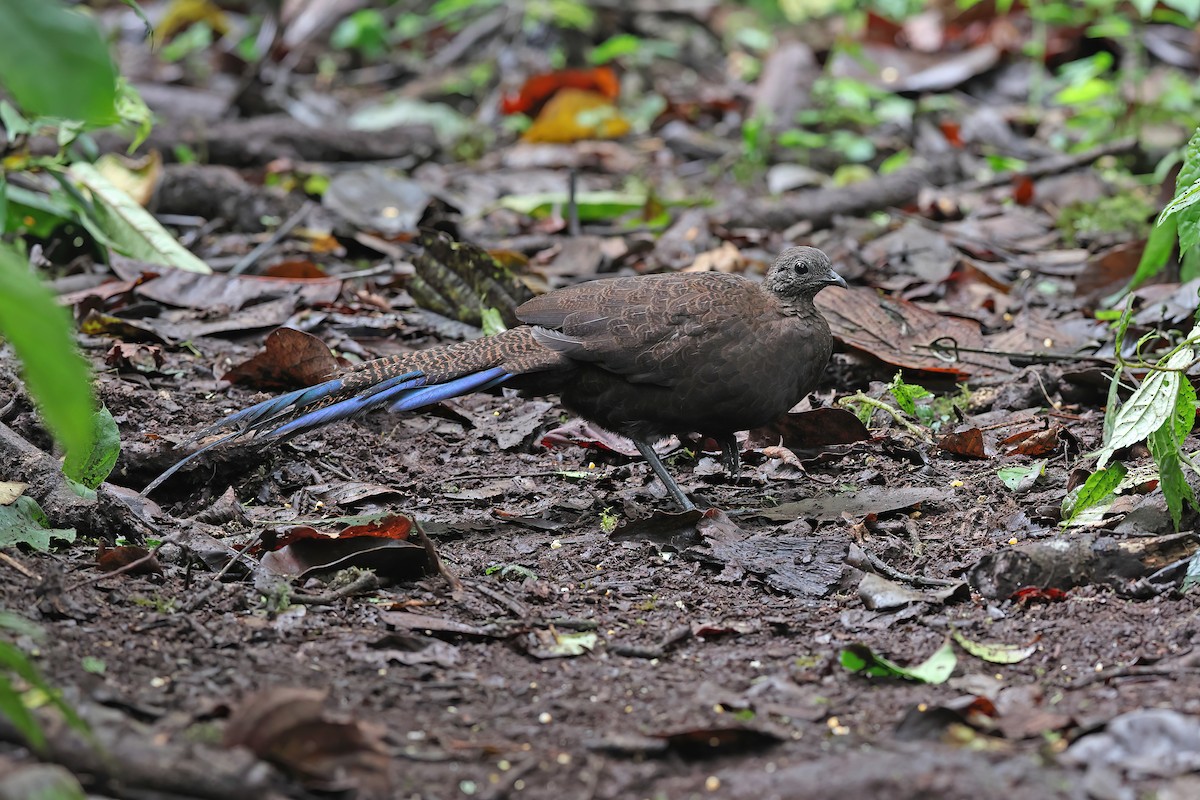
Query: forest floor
(579,638)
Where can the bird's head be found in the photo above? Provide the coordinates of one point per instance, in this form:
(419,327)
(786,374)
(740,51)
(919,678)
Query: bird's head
(801,272)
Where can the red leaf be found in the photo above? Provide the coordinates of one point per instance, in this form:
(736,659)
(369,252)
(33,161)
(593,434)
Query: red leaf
(539,88)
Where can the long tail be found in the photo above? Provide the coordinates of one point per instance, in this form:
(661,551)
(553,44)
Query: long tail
(402,383)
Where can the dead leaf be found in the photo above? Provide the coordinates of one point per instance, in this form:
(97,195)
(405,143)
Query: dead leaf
(968,443)
(136,177)
(546,644)
(291,728)
(379,544)
(294,269)
(1107,270)
(903,334)
(134,357)
(537,89)
(10,491)
(574,114)
(111,559)
(872,500)
(290,359)
(817,427)
(1034,443)
(183,289)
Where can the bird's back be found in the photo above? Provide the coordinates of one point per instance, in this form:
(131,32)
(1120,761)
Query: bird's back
(680,353)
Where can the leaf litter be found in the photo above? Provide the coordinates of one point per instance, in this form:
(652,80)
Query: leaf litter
(549,673)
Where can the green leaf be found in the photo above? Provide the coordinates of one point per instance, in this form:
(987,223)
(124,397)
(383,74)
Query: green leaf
(1165,444)
(134,112)
(1189,228)
(1157,252)
(1098,488)
(1184,418)
(55,63)
(1189,265)
(569,645)
(1146,410)
(1175,488)
(116,218)
(493,323)
(1189,8)
(598,206)
(13,707)
(623,44)
(1021,478)
(14,124)
(995,653)
(35,213)
(91,467)
(20,626)
(24,522)
(40,333)
(1187,193)
(907,394)
(935,669)
(1186,196)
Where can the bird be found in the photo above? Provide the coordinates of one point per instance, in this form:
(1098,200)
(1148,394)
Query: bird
(645,357)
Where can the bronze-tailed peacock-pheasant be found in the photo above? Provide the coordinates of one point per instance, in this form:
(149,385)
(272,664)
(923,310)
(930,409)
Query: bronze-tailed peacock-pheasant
(645,357)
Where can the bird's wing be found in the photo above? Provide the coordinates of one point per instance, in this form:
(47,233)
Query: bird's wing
(643,328)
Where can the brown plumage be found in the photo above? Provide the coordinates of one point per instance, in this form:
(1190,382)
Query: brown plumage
(645,357)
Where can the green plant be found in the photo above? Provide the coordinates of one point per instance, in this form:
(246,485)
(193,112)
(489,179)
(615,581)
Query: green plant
(1162,409)
(1123,213)
(57,73)
(15,665)
(365,31)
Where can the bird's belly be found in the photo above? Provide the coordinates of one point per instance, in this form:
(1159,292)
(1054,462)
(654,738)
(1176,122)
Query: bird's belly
(691,406)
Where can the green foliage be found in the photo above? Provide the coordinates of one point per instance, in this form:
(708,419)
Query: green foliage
(55,64)
(846,102)
(24,522)
(1126,212)
(623,44)
(756,144)
(192,40)
(15,665)
(906,395)
(90,468)
(1162,411)
(74,193)
(1098,488)
(40,333)
(1184,209)
(1166,446)
(559,13)
(1022,478)
(365,31)
(511,572)
(935,669)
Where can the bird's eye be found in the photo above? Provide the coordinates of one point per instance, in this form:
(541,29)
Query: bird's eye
(801,268)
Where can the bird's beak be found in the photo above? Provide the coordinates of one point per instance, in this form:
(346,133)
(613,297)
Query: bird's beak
(836,280)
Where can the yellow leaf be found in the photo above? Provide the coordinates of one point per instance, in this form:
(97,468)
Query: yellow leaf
(138,178)
(182,14)
(574,114)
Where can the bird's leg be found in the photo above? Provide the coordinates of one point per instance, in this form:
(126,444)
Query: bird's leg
(660,470)
(731,455)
